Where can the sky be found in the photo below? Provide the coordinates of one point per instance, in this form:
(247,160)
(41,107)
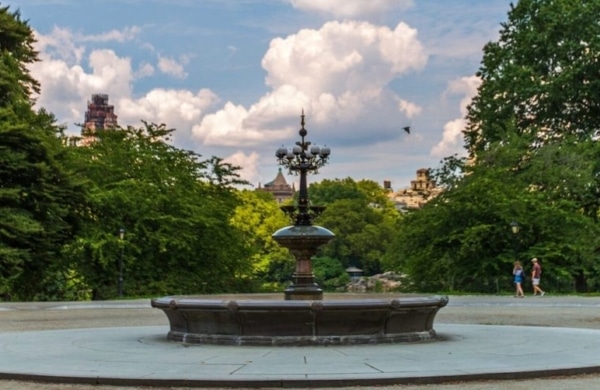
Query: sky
(233,76)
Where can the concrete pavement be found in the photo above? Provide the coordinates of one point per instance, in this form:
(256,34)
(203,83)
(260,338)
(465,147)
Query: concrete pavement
(141,355)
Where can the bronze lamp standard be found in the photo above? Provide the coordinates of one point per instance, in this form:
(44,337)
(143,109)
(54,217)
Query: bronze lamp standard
(303,159)
(121,238)
(514,227)
(303,239)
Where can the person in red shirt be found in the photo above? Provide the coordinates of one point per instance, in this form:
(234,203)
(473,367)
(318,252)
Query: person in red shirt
(536,274)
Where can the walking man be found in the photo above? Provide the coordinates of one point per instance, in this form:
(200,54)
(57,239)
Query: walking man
(536,274)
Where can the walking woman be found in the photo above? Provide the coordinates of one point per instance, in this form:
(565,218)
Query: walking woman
(519,276)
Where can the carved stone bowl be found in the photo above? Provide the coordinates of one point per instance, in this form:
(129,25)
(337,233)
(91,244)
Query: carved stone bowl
(231,321)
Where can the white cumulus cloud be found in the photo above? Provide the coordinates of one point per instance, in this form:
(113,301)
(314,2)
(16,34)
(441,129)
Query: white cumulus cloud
(144,70)
(248,162)
(410,109)
(179,109)
(452,138)
(69,78)
(349,8)
(172,67)
(338,73)
(65,87)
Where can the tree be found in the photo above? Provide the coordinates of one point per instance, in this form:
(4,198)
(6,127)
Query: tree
(540,79)
(16,53)
(540,84)
(39,198)
(361,217)
(258,217)
(329,273)
(175,209)
(327,191)
(461,240)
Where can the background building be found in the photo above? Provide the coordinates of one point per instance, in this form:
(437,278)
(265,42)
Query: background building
(99,116)
(421,190)
(279,187)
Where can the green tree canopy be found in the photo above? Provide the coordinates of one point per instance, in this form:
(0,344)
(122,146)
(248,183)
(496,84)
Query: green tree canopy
(175,208)
(540,79)
(361,217)
(532,142)
(39,198)
(462,239)
(258,217)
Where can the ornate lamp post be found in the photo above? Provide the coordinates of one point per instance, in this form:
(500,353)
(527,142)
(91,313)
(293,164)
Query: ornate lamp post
(514,227)
(303,159)
(303,239)
(120,285)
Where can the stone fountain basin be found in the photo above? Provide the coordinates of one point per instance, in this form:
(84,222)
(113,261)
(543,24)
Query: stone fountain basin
(228,320)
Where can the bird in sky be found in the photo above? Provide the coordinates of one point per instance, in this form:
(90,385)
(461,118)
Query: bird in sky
(407,129)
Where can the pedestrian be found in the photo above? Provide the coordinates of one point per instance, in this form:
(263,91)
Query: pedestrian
(536,274)
(519,277)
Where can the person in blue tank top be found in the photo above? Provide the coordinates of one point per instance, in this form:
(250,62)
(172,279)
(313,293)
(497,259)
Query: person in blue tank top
(519,277)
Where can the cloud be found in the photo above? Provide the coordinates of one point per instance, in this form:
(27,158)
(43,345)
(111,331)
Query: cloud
(66,85)
(144,70)
(339,74)
(349,8)
(172,67)
(249,163)
(65,44)
(60,44)
(128,33)
(179,109)
(410,109)
(452,137)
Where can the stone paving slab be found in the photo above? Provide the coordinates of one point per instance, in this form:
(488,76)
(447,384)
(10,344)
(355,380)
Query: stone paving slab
(142,356)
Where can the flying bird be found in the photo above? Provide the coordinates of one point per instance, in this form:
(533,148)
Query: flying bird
(407,129)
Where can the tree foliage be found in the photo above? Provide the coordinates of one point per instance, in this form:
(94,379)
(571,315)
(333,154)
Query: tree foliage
(258,216)
(16,53)
(532,141)
(540,79)
(462,239)
(361,217)
(39,197)
(174,207)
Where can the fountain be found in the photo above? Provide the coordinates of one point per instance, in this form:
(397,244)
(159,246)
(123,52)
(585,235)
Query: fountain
(303,239)
(303,317)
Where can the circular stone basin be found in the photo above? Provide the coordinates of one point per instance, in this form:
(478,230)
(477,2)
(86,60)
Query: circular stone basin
(232,321)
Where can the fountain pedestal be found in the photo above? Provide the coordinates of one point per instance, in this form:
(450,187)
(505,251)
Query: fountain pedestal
(303,242)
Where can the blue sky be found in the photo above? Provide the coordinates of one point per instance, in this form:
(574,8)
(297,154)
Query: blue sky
(232,76)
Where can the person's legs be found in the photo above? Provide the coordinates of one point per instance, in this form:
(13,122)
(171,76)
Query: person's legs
(519,292)
(542,292)
(536,287)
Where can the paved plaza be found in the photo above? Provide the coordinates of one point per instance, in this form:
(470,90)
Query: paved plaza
(124,344)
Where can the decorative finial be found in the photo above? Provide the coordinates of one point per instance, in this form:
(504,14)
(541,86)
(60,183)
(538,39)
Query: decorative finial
(302,131)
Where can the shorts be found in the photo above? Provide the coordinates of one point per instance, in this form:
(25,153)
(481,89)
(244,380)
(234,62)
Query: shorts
(535,282)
